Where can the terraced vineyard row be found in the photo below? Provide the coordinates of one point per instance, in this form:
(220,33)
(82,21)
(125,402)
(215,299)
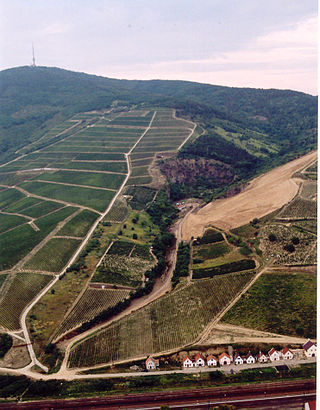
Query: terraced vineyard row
(92,302)
(22,288)
(167,323)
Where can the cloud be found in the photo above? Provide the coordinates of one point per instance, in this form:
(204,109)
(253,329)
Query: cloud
(280,59)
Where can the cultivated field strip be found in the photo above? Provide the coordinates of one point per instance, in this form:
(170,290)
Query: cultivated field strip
(23,287)
(167,323)
(92,302)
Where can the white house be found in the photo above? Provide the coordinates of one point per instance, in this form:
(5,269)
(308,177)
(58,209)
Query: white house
(199,360)
(187,362)
(237,359)
(151,363)
(262,358)
(212,360)
(249,359)
(274,355)
(310,349)
(286,354)
(224,359)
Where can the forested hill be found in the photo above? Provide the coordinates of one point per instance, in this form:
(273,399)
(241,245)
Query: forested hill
(33,99)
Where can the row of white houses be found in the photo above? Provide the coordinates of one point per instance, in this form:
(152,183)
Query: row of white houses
(225,359)
(310,350)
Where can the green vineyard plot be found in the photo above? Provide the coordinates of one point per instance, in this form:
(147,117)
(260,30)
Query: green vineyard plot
(79,225)
(44,208)
(22,204)
(167,323)
(9,196)
(291,309)
(91,303)
(110,181)
(54,255)
(10,221)
(88,197)
(21,291)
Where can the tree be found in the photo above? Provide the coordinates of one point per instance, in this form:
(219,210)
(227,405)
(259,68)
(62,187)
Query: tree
(272,237)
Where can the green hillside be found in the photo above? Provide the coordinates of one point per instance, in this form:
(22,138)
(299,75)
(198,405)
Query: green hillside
(33,100)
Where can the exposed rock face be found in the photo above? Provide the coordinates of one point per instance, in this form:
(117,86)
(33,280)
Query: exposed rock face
(178,170)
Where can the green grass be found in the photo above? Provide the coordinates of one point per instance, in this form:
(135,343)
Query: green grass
(24,203)
(79,225)
(42,209)
(8,196)
(89,197)
(10,221)
(111,181)
(143,228)
(54,255)
(18,242)
(139,180)
(279,303)
(99,157)
(23,288)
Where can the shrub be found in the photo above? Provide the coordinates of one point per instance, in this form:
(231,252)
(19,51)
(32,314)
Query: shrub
(295,240)
(289,248)
(272,237)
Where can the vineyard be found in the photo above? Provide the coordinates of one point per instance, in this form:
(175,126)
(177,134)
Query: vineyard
(91,303)
(299,208)
(118,212)
(122,270)
(302,253)
(167,323)
(140,196)
(280,303)
(21,289)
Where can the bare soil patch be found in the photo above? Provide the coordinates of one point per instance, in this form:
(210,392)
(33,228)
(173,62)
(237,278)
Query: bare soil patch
(262,196)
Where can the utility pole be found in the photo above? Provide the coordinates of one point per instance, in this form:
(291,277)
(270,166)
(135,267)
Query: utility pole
(33,58)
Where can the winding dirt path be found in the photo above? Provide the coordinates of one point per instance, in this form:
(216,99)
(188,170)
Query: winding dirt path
(263,195)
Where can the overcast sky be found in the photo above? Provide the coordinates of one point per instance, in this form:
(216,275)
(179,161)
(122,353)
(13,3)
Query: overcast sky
(253,43)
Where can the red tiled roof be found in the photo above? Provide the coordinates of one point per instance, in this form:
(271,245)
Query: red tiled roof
(199,356)
(271,351)
(211,357)
(248,355)
(260,354)
(308,344)
(151,359)
(285,350)
(185,358)
(224,354)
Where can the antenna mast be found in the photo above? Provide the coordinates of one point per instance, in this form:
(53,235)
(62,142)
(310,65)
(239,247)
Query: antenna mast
(33,58)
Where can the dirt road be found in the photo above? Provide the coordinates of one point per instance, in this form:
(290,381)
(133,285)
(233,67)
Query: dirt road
(263,195)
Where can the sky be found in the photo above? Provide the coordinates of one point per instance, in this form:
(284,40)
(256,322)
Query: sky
(238,43)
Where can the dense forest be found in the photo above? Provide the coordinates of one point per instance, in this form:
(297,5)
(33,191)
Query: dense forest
(34,99)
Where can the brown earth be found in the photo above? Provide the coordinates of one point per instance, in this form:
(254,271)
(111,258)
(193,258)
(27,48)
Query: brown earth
(262,196)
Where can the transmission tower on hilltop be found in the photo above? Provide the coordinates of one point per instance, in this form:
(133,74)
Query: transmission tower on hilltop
(33,58)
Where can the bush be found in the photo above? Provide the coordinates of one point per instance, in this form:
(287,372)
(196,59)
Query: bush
(295,240)
(272,237)
(5,343)
(289,248)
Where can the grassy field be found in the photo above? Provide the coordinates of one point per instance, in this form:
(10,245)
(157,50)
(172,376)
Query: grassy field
(91,303)
(23,288)
(309,190)
(171,321)
(54,255)
(280,303)
(79,225)
(140,224)
(10,221)
(89,197)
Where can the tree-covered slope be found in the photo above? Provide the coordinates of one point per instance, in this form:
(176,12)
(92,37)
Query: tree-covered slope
(33,99)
